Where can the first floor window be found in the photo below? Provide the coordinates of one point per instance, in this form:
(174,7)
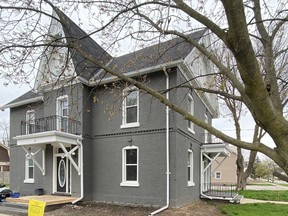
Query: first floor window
(218,175)
(29,170)
(130,170)
(190,168)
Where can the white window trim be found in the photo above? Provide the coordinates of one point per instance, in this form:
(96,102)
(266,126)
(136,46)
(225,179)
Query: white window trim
(124,123)
(27,179)
(124,181)
(58,114)
(28,120)
(191,99)
(205,131)
(191,182)
(216,172)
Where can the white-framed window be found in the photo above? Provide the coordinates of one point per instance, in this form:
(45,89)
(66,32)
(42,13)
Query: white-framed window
(30,122)
(218,175)
(62,113)
(206,134)
(190,166)
(191,111)
(29,170)
(130,166)
(130,107)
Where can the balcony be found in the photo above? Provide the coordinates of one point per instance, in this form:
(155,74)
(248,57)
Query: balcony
(51,123)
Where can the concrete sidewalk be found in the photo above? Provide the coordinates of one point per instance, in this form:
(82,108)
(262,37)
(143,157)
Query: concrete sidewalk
(247,201)
(266,187)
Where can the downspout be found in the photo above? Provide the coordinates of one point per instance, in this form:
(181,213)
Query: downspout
(81,173)
(167,149)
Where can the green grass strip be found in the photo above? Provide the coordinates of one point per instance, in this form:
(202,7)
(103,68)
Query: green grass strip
(257,209)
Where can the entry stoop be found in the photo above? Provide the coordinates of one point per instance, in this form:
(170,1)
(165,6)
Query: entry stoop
(17,209)
(237,199)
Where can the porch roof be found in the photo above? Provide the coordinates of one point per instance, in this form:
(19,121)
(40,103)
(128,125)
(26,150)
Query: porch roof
(47,137)
(215,148)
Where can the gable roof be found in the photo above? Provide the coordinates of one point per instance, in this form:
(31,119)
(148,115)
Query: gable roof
(73,33)
(157,54)
(149,57)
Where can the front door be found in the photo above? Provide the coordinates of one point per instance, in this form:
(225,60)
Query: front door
(62,172)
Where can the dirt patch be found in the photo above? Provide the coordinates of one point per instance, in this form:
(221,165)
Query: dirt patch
(198,208)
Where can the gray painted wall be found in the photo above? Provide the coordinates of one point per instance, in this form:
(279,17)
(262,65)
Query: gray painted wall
(101,116)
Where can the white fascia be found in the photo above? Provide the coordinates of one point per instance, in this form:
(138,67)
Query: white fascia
(138,72)
(24,102)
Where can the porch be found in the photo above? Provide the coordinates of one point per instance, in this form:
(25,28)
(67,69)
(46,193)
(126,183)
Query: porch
(48,199)
(220,191)
(19,206)
(54,145)
(215,153)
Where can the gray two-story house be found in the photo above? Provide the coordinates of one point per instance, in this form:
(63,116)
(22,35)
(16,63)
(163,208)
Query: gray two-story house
(83,133)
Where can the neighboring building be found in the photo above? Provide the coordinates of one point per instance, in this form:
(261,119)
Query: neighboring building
(225,172)
(4,164)
(96,138)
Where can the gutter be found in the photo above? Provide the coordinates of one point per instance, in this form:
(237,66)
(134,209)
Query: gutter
(167,151)
(139,72)
(81,173)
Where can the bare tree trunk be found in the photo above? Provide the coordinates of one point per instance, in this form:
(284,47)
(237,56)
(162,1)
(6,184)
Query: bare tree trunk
(280,176)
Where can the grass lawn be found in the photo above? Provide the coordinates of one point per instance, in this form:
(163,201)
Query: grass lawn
(266,195)
(257,209)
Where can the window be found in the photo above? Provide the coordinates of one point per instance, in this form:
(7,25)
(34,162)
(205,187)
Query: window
(29,170)
(218,175)
(191,111)
(190,168)
(62,113)
(206,132)
(130,113)
(30,121)
(130,158)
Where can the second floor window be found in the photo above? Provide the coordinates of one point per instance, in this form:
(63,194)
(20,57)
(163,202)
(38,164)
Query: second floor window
(191,111)
(206,135)
(30,121)
(62,113)
(130,115)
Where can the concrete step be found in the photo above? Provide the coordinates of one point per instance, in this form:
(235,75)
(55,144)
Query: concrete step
(237,199)
(16,209)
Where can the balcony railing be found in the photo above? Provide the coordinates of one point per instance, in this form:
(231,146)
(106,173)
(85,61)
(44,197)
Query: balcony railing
(50,123)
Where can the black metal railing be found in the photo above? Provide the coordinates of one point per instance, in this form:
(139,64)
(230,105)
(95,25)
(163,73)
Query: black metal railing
(50,123)
(219,190)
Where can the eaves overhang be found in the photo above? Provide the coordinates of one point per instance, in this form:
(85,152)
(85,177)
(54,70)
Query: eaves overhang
(135,73)
(23,102)
(221,148)
(48,137)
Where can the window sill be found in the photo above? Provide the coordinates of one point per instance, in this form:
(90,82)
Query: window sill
(190,130)
(129,184)
(130,125)
(190,184)
(29,181)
